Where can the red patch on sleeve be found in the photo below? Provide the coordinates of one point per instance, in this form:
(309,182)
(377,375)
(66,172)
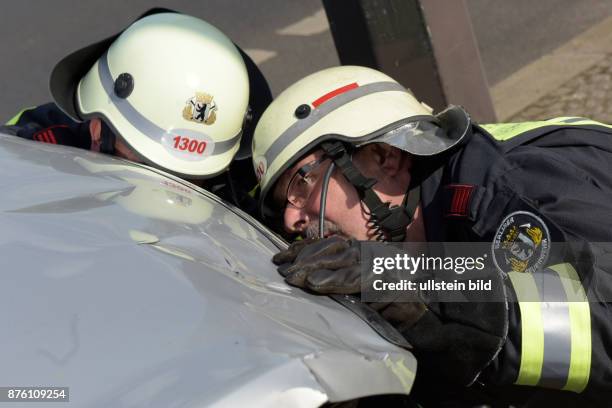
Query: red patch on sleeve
(459,204)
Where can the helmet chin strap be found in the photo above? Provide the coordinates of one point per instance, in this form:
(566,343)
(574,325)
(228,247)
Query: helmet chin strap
(390,222)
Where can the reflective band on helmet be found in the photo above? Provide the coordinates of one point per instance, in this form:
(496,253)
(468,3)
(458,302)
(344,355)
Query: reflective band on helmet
(140,122)
(323,110)
(555,328)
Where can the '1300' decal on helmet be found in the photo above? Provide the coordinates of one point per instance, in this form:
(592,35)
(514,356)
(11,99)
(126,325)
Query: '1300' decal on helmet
(188,144)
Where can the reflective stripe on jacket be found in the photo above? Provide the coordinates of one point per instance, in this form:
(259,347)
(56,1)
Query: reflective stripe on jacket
(559,173)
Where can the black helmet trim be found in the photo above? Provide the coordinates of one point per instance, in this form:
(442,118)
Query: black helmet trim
(260,96)
(67,73)
(426,137)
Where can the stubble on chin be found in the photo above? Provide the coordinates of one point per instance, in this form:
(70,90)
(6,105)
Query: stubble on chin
(331,228)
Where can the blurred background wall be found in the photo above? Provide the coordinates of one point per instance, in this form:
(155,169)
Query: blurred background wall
(541,58)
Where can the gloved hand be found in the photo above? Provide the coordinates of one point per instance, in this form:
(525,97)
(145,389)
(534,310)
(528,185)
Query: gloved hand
(451,340)
(323,266)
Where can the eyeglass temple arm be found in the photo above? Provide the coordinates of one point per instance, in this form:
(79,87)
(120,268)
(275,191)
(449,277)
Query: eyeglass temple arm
(324,199)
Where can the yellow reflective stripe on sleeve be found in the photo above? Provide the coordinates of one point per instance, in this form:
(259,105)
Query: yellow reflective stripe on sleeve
(580,317)
(532,351)
(505,131)
(15,118)
(555,328)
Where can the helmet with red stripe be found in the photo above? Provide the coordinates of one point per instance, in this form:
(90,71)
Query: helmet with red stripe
(352,105)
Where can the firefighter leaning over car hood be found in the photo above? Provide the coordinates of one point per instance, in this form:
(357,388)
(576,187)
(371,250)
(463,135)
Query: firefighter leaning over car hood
(353,144)
(170,90)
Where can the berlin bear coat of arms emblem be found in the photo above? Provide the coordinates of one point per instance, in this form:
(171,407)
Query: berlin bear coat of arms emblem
(201,109)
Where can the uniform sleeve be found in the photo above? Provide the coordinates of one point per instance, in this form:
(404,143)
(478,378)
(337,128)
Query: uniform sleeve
(48,124)
(572,186)
(561,333)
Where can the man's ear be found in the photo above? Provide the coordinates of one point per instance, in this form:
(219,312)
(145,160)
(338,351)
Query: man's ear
(95,131)
(388,158)
(95,128)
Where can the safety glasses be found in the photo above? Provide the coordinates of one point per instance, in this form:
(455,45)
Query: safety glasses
(303,182)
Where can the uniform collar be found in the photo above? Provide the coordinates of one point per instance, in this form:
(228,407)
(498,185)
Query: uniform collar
(434,177)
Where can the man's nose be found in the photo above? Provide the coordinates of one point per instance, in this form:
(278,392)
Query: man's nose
(296,219)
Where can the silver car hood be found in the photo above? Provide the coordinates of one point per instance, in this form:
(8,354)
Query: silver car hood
(136,289)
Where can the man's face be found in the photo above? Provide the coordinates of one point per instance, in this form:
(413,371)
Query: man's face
(344,214)
(121,149)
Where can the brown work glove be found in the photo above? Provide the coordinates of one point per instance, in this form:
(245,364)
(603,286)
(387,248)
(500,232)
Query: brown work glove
(462,337)
(331,266)
(323,266)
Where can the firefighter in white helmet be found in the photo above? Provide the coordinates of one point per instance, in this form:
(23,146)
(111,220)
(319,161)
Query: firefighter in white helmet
(323,108)
(170,90)
(349,154)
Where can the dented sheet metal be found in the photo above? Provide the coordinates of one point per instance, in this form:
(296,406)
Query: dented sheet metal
(136,289)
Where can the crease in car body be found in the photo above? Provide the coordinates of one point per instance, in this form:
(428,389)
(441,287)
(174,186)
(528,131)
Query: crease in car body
(173,271)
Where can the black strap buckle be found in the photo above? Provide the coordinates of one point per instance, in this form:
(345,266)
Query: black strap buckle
(333,149)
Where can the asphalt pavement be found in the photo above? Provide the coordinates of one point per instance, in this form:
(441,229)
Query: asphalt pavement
(35,34)
(288,39)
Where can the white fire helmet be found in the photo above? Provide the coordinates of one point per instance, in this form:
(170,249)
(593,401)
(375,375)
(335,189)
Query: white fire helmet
(172,86)
(352,104)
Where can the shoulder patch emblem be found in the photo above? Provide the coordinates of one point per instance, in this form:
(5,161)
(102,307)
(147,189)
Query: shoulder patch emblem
(521,243)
